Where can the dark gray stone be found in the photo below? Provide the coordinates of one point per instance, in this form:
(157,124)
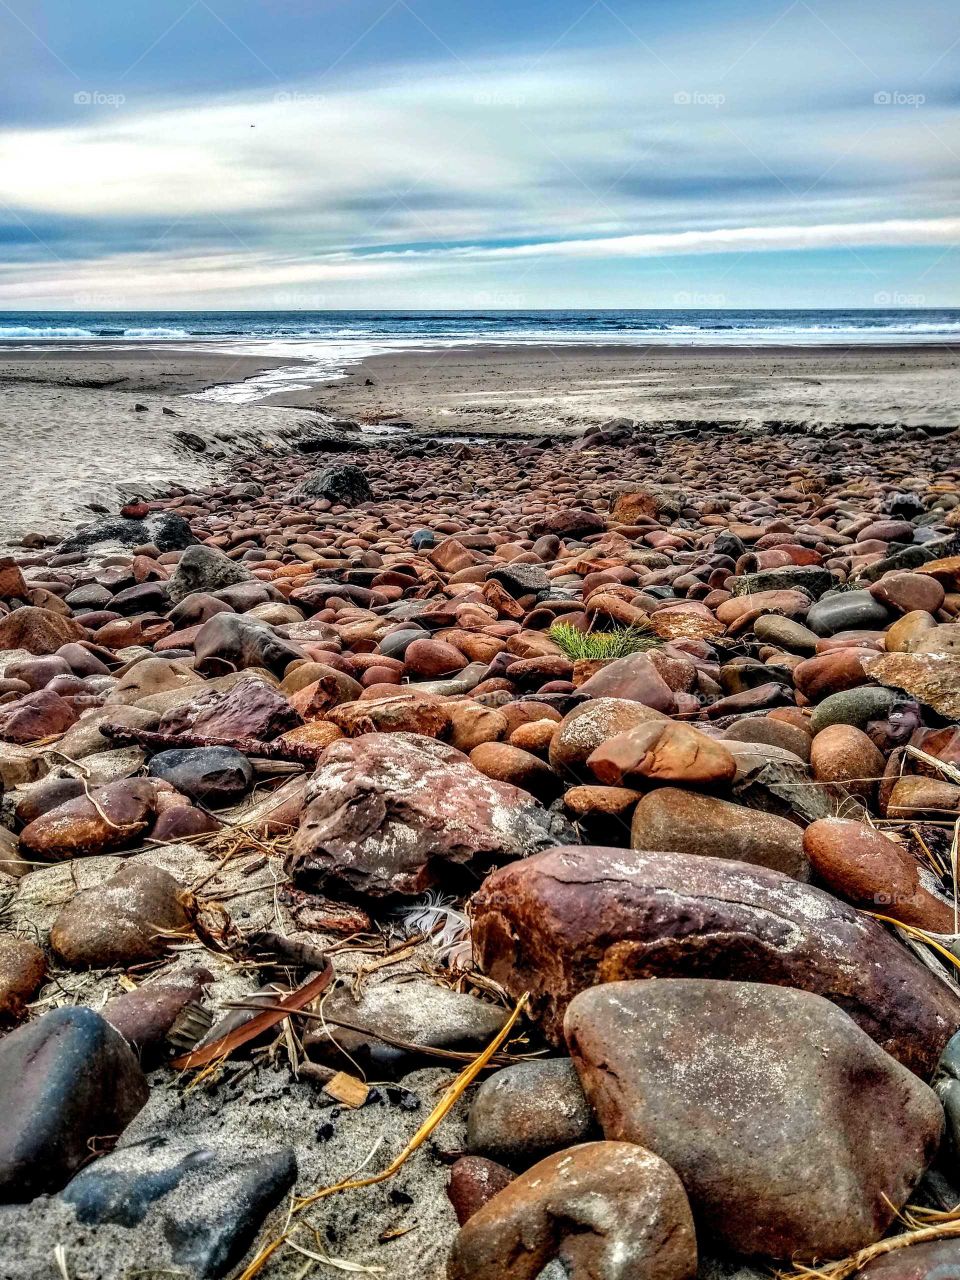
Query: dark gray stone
(848,611)
(797,577)
(521,579)
(346,486)
(203,568)
(527,1111)
(164,529)
(68,1082)
(212,776)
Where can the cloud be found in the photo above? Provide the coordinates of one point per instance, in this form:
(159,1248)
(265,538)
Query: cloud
(577,155)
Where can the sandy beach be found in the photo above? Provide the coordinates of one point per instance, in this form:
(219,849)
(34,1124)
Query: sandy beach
(76,407)
(564,389)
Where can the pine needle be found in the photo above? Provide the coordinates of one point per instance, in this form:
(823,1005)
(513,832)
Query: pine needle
(440,1111)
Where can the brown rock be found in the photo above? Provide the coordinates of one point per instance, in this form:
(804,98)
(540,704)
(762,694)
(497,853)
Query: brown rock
(527,1111)
(874,873)
(388,812)
(634,678)
(662,752)
(38,630)
(330,689)
(932,678)
(670,818)
(583,730)
(132,917)
(471,724)
(35,716)
(251,709)
(917,797)
(474,1181)
(504,763)
(121,814)
(143,1017)
(909,591)
(566,919)
(23,967)
(729,1080)
(400,713)
(432,659)
(929,1260)
(605,1210)
(827,673)
(844,755)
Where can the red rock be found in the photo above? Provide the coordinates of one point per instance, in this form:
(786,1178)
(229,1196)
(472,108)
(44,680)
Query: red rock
(909,591)
(827,673)
(504,763)
(874,873)
(590,1207)
(36,716)
(634,678)
(661,752)
(387,812)
(685,821)
(122,813)
(473,1181)
(38,630)
(586,727)
(562,920)
(23,966)
(330,689)
(843,754)
(432,659)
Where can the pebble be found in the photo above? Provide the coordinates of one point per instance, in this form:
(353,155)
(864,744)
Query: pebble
(527,1111)
(23,966)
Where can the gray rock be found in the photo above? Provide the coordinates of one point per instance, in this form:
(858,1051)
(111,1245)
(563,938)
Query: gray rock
(527,1111)
(792,1132)
(164,529)
(67,1083)
(854,706)
(521,579)
(795,577)
(205,569)
(212,776)
(208,1205)
(848,611)
(346,486)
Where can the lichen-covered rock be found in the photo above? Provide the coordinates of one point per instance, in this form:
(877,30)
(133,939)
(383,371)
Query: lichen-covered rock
(392,812)
(609,1210)
(793,1133)
(569,918)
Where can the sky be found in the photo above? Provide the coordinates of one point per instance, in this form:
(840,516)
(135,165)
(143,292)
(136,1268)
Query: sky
(509,154)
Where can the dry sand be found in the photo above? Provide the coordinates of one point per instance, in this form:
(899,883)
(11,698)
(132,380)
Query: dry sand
(70,433)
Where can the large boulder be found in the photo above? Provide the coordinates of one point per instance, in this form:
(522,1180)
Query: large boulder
(346,486)
(164,530)
(203,568)
(39,631)
(251,709)
(569,918)
(67,1082)
(608,1210)
(387,812)
(793,1133)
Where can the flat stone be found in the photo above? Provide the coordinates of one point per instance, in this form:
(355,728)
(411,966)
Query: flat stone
(662,752)
(727,1081)
(568,918)
(931,678)
(688,822)
(584,728)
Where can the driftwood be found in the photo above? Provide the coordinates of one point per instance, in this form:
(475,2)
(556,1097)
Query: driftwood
(151,740)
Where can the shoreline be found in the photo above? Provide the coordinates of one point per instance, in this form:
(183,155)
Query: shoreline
(76,407)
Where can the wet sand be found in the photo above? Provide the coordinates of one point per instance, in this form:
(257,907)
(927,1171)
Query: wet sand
(71,433)
(559,389)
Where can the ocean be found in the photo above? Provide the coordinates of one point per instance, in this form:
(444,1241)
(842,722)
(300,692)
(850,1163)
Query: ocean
(333,340)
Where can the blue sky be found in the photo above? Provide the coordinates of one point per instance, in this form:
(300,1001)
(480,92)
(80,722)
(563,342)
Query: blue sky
(431,153)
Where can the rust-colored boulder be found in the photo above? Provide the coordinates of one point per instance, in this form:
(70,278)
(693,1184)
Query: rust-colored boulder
(520,768)
(606,1209)
(35,716)
(392,813)
(330,689)
(584,728)
(862,865)
(634,677)
(569,918)
(38,631)
(792,1132)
